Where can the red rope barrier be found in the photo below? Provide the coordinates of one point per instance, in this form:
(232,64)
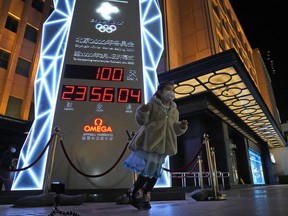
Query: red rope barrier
(87,175)
(187,165)
(97,175)
(186,174)
(33,163)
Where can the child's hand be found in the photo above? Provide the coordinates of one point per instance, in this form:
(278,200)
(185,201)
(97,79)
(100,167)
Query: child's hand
(145,108)
(183,124)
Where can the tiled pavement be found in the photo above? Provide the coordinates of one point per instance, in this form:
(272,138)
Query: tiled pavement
(269,200)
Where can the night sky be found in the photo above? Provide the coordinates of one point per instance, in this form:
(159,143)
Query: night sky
(265,27)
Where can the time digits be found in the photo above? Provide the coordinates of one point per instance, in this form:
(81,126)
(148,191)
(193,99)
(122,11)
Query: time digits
(100,94)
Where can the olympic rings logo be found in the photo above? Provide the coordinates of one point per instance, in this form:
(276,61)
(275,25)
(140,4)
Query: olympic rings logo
(105,28)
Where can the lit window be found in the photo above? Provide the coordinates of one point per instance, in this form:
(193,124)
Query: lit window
(14,107)
(11,23)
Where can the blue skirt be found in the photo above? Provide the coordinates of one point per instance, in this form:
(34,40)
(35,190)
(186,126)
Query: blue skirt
(145,163)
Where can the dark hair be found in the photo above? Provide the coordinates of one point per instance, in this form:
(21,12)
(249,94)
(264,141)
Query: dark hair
(161,86)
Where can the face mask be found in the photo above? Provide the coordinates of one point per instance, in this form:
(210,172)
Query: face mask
(168,95)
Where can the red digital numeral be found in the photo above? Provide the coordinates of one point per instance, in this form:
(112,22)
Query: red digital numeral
(71,92)
(117,74)
(67,92)
(102,94)
(127,95)
(108,73)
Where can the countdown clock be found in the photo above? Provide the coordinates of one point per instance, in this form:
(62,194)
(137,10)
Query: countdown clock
(98,64)
(98,93)
(101,86)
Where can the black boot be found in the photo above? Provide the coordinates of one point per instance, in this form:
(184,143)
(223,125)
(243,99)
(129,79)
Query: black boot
(146,200)
(136,199)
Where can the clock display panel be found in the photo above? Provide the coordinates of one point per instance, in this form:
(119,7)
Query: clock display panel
(100,88)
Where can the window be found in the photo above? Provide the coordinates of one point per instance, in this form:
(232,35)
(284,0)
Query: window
(23,67)
(14,107)
(4,58)
(11,23)
(31,33)
(38,5)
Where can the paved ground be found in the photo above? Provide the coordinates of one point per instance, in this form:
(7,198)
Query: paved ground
(245,201)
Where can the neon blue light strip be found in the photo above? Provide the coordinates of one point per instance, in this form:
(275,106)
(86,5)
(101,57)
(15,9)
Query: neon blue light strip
(152,48)
(152,44)
(55,34)
(54,41)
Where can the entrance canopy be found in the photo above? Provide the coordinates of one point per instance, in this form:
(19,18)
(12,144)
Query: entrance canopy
(225,76)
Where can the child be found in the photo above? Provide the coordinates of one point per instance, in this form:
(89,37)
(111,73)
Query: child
(153,142)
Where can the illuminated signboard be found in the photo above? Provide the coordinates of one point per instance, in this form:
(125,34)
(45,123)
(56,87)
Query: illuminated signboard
(256,167)
(98,64)
(100,89)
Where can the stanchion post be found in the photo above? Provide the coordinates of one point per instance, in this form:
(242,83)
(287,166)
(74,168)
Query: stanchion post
(50,160)
(213,157)
(212,171)
(130,136)
(200,172)
(134,177)
(215,178)
(210,166)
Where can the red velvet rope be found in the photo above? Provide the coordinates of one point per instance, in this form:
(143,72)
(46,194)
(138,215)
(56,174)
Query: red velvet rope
(187,165)
(33,163)
(87,175)
(97,175)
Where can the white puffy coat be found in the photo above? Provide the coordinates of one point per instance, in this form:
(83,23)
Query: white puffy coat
(159,129)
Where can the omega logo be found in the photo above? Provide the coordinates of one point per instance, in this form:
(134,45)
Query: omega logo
(98,127)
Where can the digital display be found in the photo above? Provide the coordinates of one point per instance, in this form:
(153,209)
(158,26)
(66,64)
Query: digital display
(74,92)
(126,95)
(103,73)
(100,94)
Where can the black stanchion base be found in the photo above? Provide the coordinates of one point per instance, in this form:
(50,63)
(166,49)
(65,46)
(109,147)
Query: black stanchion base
(48,199)
(72,197)
(207,195)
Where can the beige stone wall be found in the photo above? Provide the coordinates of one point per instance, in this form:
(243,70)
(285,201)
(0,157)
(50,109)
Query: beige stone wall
(195,30)
(174,34)
(188,31)
(265,85)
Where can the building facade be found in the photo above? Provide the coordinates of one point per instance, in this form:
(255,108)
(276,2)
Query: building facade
(222,85)
(198,34)
(20,41)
